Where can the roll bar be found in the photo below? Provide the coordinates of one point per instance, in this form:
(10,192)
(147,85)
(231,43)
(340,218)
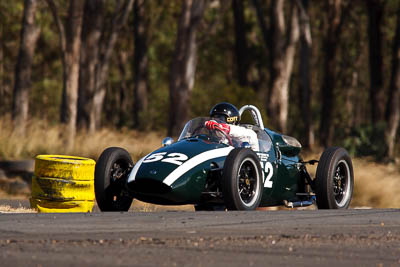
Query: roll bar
(255,113)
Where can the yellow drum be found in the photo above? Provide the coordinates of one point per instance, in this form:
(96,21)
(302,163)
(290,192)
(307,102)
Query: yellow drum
(63,184)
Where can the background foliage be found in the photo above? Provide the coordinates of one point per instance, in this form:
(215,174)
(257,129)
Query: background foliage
(216,77)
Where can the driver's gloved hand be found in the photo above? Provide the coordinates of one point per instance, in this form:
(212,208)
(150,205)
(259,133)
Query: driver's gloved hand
(212,125)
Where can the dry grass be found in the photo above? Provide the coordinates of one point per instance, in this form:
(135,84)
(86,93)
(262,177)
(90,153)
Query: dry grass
(376,185)
(147,207)
(9,209)
(43,138)
(137,143)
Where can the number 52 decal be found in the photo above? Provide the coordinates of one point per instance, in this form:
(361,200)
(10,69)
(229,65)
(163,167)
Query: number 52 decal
(269,172)
(174,158)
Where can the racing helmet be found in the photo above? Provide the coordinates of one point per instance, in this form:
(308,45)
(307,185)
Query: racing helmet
(226,112)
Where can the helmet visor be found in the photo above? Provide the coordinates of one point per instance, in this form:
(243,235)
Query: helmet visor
(220,117)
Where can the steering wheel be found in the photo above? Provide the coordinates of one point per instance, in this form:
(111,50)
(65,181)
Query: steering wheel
(210,131)
(225,134)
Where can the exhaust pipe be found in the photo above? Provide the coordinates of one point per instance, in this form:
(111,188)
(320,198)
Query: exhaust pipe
(297,204)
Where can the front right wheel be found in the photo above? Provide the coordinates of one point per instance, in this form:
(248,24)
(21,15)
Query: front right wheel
(242,180)
(334,180)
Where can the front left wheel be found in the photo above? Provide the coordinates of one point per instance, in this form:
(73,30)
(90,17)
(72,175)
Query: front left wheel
(334,180)
(111,172)
(242,180)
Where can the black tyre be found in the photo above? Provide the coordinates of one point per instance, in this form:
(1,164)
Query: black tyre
(111,173)
(242,180)
(17,166)
(334,179)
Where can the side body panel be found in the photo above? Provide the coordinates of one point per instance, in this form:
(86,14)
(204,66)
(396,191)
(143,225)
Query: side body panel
(285,177)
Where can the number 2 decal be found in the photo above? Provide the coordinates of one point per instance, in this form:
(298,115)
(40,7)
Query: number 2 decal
(269,171)
(174,158)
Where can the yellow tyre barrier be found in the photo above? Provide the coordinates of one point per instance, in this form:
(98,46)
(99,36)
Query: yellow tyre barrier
(43,205)
(65,167)
(63,184)
(55,188)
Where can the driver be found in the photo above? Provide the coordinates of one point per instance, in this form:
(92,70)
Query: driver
(229,114)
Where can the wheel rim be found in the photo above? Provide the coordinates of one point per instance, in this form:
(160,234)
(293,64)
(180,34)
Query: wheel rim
(248,182)
(117,193)
(341,183)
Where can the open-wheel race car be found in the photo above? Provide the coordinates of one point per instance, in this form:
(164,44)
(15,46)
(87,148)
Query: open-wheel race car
(214,171)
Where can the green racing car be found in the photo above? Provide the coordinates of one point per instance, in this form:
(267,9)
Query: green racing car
(214,171)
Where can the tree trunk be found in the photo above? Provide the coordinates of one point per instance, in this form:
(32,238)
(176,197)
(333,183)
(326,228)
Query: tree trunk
(91,37)
(241,50)
(266,34)
(71,69)
(124,100)
(334,19)
(183,67)
(261,21)
(70,43)
(98,59)
(2,88)
(140,64)
(283,51)
(29,36)
(393,109)
(376,91)
(304,72)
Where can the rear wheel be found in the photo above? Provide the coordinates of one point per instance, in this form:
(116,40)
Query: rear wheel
(242,180)
(334,179)
(111,173)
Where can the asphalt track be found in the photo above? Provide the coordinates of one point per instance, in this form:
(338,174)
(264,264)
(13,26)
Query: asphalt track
(179,238)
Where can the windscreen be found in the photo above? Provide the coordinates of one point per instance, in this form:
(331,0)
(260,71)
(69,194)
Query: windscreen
(196,129)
